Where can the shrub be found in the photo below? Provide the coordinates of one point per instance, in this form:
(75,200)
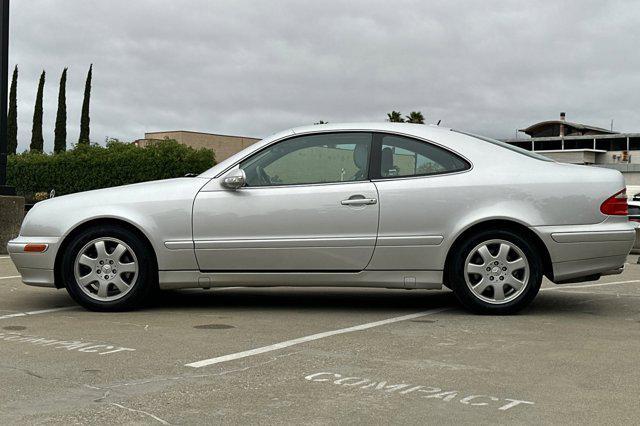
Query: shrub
(93,167)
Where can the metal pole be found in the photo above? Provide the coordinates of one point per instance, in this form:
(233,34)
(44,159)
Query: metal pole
(4,77)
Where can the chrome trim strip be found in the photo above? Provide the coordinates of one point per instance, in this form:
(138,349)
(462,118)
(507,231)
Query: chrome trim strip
(590,237)
(368,241)
(409,240)
(179,245)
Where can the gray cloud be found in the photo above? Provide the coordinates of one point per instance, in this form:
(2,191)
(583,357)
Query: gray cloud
(256,67)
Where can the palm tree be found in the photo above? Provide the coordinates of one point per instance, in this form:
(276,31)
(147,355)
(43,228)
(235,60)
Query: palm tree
(415,117)
(395,117)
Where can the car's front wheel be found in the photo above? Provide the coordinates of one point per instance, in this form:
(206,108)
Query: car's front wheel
(109,268)
(495,272)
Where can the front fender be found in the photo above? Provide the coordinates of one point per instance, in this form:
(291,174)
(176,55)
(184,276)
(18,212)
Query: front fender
(160,210)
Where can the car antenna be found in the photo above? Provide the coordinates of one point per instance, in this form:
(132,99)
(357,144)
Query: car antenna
(438,123)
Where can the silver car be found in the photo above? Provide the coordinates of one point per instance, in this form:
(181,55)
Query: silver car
(386,205)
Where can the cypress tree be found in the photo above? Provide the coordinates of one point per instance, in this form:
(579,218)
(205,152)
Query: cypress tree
(12,115)
(37,142)
(60,140)
(84,118)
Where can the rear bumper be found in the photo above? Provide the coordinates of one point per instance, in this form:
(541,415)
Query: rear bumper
(567,272)
(36,268)
(587,250)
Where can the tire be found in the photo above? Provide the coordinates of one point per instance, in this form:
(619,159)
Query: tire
(105,249)
(512,281)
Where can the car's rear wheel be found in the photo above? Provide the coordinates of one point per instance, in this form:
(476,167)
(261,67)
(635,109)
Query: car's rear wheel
(495,272)
(109,268)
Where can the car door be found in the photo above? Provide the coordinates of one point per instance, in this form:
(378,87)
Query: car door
(415,180)
(308,205)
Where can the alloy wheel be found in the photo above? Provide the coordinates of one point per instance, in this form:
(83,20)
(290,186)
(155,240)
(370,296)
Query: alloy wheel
(106,269)
(496,271)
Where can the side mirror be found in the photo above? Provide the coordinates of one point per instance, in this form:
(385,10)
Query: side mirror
(235,179)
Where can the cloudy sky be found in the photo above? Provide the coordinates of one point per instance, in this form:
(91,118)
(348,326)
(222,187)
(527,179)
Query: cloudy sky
(255,67)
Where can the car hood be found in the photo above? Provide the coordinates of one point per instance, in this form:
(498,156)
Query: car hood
(138,202)
(132,192)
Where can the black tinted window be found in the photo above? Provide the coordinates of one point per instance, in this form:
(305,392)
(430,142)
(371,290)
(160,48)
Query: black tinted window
(321,158)
(402,156)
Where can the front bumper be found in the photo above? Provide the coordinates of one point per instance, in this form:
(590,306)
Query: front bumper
(588,250)
(36,268)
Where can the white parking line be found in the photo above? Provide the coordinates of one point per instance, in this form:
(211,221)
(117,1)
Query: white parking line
(43,311)
(133,410)
(305,339)
(5,257)
(12,276)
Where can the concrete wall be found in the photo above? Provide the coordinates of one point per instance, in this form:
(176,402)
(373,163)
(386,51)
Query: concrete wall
(224,146)
(573,157)
(632,178)
(11,215)
(633,157)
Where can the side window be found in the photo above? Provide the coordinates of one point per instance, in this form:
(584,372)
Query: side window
(402,156)
(322,158)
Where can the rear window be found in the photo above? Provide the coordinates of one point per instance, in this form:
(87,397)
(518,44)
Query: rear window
(507,146)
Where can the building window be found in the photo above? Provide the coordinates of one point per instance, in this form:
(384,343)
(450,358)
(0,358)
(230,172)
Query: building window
(611,144)
(528,145)
(548,145)
(578,144)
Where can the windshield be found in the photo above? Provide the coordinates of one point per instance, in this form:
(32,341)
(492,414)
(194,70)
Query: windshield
(507,146)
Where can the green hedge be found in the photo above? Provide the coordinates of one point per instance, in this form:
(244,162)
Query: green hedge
(95,166)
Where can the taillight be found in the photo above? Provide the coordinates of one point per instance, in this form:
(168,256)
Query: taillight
(616,205)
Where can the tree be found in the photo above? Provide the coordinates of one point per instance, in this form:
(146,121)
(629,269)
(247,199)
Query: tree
(60,139)
(12,116)
(37,142)
(395,117)
(415,117)
(84,118)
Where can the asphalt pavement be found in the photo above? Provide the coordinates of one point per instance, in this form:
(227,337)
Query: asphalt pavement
(321,356)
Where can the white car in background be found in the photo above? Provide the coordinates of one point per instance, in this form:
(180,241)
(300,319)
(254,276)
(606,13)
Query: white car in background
(372,205)
(634,217)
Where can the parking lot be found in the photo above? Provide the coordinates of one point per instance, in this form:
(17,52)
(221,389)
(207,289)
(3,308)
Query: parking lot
(286,355)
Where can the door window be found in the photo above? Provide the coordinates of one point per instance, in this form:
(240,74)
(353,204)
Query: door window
(320,158)
(401,156)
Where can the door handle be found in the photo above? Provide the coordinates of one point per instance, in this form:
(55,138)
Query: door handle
(358,201)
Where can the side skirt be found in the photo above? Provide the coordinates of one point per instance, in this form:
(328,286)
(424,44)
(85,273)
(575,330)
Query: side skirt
(430,280)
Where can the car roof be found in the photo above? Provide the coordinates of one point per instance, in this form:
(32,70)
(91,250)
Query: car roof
(409,128)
